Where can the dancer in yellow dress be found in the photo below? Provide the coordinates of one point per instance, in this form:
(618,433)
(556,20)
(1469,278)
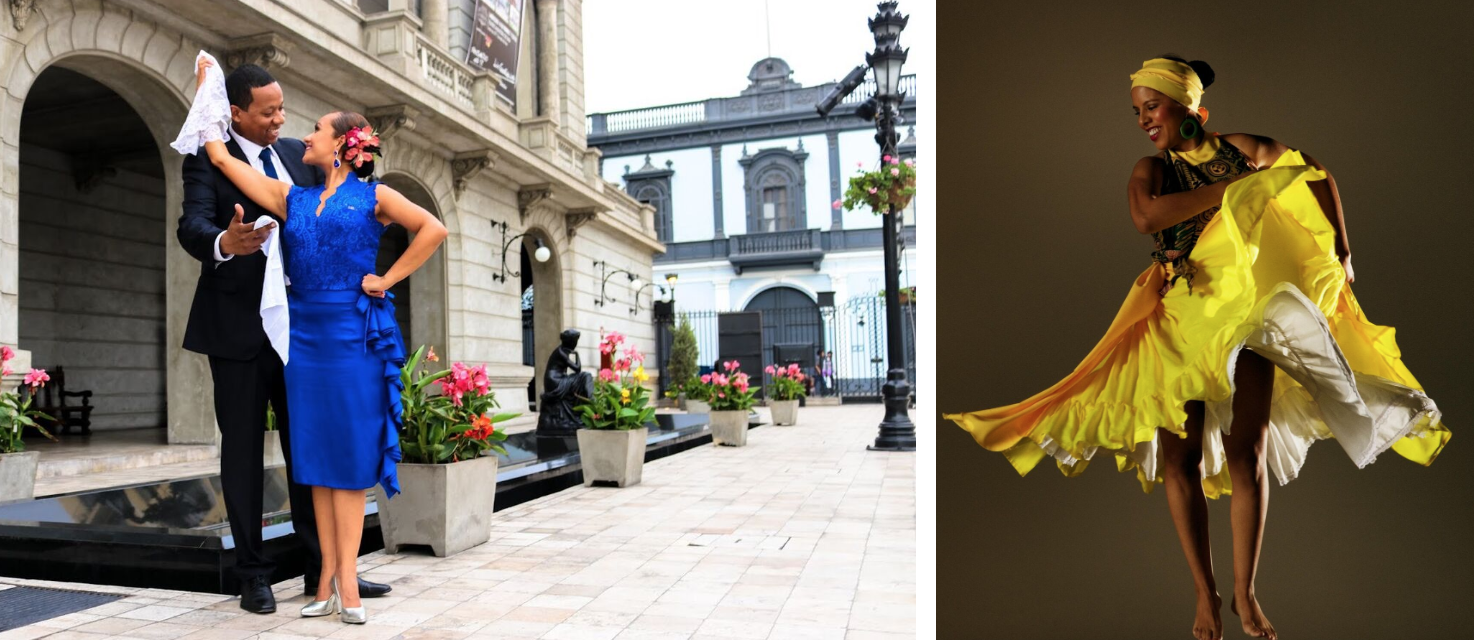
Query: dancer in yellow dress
(1239,347)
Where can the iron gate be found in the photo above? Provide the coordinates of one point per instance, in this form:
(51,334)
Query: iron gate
(850,339)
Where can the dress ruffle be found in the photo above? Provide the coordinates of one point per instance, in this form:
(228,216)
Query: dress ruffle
(1267,280)
(381,336)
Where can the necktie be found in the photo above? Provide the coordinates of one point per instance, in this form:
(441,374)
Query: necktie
(266,164)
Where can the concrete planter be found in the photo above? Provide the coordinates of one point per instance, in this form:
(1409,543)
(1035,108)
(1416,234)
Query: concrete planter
(729,428)
(697,406)
(785,412)
(611,455)
(271,454)
(445,506)
(18,476)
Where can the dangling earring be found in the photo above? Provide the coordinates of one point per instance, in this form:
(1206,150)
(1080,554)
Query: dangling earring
(335,159)
(1189,128)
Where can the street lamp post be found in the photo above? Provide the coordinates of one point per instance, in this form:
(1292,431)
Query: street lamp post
(897,433)
(884,108)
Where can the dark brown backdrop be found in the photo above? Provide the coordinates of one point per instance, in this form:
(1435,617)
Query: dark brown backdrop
(1037,251)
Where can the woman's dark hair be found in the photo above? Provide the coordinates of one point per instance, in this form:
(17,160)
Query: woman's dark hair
(343,122)
(1205,72)
(239,83)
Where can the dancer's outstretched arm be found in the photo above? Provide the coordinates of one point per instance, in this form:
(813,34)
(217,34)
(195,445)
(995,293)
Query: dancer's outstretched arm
(428,232)
(270,193)
(1152,212)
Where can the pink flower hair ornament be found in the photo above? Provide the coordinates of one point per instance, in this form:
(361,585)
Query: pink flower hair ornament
(361,143)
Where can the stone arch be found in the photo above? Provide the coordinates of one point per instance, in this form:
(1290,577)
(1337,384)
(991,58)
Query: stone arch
(774,283)
(420,300)
(549,304)
(150,67)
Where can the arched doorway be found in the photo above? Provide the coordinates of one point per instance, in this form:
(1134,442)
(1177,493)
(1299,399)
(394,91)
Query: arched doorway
(94,236)
(542,298)
(790,319)
(419,300)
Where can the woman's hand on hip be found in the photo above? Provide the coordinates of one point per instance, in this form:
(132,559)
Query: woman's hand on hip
(374,285)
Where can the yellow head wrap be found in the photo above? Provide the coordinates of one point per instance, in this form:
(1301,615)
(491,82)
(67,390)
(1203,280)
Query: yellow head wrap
(1174,79)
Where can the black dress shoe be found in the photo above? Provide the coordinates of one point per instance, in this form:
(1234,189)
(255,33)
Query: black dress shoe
(366,589)
(256,596)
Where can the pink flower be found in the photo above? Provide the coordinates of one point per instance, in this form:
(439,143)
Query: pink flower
(872,190)
(741,387)
(721,394)
(895,172)
(706,378)
(4,371)
(620,364)
(741,378)
(895,161)
(885,158)
(6,353)
(607,375)
(37,378)
(731,365)
(910,162)
(769,369)
(860,165)
(606,348)
(792,369)
(838,204)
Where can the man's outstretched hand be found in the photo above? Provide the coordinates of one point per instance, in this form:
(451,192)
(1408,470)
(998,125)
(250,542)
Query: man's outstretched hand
(240,238)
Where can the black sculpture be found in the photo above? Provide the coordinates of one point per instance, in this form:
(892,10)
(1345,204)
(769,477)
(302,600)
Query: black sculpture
(565,385)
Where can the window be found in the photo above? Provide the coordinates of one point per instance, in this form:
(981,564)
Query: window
(774,182)
(651,185)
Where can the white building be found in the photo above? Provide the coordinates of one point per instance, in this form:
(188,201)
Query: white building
(742,189)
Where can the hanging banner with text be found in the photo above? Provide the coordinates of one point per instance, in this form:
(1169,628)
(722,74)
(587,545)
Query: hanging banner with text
(496,39)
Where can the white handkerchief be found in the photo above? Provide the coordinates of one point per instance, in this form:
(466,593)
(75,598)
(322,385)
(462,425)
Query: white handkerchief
(274,317)
(209,114)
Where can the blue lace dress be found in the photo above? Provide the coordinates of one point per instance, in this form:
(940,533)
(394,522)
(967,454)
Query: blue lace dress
(342,377)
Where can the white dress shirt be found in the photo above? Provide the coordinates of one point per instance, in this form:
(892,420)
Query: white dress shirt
(253,154)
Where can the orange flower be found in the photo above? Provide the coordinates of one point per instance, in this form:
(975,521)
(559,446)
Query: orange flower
(432,357)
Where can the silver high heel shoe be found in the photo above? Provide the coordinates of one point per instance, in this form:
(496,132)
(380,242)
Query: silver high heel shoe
(354,615)
(324,607)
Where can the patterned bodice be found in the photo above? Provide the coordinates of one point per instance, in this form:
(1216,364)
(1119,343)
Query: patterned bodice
(1175,243)
(335,250)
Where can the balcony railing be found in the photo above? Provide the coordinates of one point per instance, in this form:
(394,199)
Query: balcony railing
(444,73)
(803,246)
(790,101)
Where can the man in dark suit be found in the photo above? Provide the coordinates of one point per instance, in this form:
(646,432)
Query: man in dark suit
(216,228)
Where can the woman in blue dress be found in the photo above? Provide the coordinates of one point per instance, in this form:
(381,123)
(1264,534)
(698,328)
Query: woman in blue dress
(342,377)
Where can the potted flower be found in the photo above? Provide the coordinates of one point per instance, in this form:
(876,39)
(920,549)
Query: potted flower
(731,397)
(448,485)
(698,395)
(611,447)
(890,186)
(18,466)
(271,450)
(785,387)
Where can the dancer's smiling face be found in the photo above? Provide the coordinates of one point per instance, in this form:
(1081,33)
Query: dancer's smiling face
(1159,117)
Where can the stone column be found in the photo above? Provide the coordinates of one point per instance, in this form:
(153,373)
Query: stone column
(547,59)
(436,16)
(837,221)
(716,191)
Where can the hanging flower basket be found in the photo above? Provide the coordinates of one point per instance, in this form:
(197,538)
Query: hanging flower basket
(893,184)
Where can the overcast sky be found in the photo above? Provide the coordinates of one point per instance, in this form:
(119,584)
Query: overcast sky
(643,53)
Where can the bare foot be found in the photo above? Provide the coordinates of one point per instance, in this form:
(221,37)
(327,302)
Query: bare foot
(1207,625)
(1255,624)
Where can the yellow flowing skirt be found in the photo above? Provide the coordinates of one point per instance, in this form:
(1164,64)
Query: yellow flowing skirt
(1268,280)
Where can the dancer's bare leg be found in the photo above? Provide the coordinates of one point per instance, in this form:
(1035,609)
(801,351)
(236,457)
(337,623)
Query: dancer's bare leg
(322,505)
(1182,472)
(348,520)
(1244,448)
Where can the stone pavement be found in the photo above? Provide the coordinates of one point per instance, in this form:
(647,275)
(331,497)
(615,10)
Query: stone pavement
(802,534)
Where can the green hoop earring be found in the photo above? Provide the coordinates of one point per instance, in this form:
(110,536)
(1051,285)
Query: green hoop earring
(1189,128)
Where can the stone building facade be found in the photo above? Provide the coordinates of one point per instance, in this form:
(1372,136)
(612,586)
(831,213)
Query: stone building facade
(92,92)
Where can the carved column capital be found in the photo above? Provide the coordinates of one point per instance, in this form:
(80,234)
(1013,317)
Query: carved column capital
(465,166)
(20,12)
(265,50)
(576,218)
(391,119)
(530,196)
